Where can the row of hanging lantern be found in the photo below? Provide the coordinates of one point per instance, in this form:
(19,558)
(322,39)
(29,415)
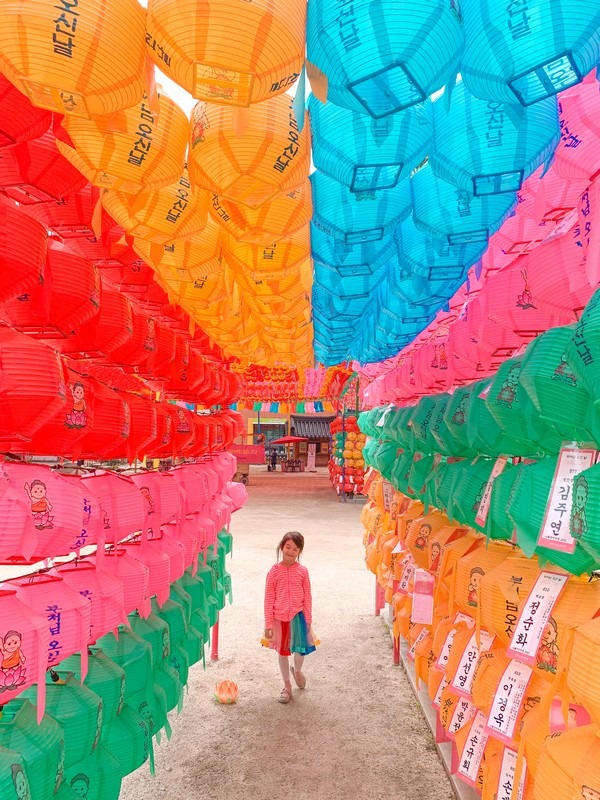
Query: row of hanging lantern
(157,524)
(52,405)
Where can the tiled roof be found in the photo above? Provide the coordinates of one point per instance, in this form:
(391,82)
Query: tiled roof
(311,427)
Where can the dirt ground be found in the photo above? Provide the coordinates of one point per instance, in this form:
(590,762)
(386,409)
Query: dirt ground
(356,731)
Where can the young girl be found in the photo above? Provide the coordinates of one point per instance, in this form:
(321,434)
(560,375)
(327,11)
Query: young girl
(288,612)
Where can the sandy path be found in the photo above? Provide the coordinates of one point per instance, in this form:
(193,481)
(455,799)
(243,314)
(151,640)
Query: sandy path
(355,732)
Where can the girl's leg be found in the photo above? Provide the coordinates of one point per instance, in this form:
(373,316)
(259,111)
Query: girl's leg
(297,671)
(298,662)
(284,667)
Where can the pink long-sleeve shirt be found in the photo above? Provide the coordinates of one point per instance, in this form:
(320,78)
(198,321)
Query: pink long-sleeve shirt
(287,592)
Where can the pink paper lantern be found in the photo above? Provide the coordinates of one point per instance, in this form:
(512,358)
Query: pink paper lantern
(55,506)
(24,638)
(121,501)
(68,615)
(152,556)
(174,550)
(92,521)
(19,535)
(550,198)
(194,485)
(134,576)
(238,494)
(185,534)
(105,592)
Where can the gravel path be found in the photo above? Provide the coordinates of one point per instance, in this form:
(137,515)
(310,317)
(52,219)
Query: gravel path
(355,732)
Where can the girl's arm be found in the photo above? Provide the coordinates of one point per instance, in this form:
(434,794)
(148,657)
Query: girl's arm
(269,599)
(307,608)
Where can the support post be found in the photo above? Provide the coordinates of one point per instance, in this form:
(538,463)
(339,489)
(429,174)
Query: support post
(214,641)
(379,598)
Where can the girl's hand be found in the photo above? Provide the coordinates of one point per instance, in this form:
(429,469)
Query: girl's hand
(268,633)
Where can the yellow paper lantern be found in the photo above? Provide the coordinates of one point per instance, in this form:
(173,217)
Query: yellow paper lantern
(75,57)
(228,52)
(136,150)
(584,667)
(419,533)
(248,156)
(471,568)
(192,256)
(172,212)
(283,216)
(504,589)
(569,766)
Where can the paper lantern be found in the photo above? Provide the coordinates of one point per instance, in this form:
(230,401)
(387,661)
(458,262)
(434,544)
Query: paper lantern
(157,560)
(455,215)
(21,269)
(79,713)
(201,252)
(82,70)
(109,435)
(226,692)
(99,772)
(582,352)
(104,591)
(35,172)
(504,144)
(237,56)
(251,159)
(40,743)
(422,53)
(13,774)
(68,297)
(133,655)
(133,575)
(547,197)
(359,216)
(24,650)
(568,765)
(25,406)
(550,382)
(21,121)
(105,678)
(111,328)
(68,615)
(175,211)
(127,738)
(509,55)
(378,154)
(499,525)
(155,631)
(287,213)
(146,150)
(582,665)
(121,501)
(576,156)
(19,535)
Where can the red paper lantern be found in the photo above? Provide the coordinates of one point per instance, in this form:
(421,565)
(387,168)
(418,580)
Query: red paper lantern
(144,425)
(71,217)
(20,120)
(137,349)
(32,385)
(68,297)
(163,445)
(162,357)
(184,430)
(104,333)
(35,172)
(109,435)
(21,268)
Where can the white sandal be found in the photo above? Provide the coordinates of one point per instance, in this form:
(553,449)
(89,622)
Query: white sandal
(299,678)
(285,695)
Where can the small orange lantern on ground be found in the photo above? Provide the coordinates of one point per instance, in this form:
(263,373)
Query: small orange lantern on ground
(226,692)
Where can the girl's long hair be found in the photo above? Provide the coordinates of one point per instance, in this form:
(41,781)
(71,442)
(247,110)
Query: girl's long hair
(296,538)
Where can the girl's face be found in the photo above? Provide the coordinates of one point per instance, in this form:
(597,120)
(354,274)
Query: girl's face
(290,552)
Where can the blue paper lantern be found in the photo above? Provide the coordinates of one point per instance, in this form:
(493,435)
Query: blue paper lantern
(384,56)
(490,147)
(455,215)
(357,217)
(363,258)
(345,284)
(368,154)
(434,259)
(522,51)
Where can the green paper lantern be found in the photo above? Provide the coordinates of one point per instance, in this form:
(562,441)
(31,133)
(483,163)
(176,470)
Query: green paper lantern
(14,781)
(151,705)
(483,432)
(424,415)
(155,631)
(194,587)
(193,644)
(227,540)
(174,615)
(167,677)
(585,512)
(419,472)
(201,622)
(456,419)
(180,661)
(41,747)
(127,739)
(560,398)
(583,351)
(441,487)
(468,489)
(77,709)
(97,777)
(131,653)
(105,679)
(511,407)
(499,525)
(438,429)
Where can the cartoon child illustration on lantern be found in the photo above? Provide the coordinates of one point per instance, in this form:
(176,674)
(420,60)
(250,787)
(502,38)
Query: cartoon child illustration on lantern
(80,784)
(508,391)
(77,418)
(588,793)
(423,537)
(150,340)
(145,490)
(548,651)
(183,426)
(20,782)
(581,491)
(474,579)
(12,671)
(40,505)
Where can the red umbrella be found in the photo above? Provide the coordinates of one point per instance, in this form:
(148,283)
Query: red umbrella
(289,440)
